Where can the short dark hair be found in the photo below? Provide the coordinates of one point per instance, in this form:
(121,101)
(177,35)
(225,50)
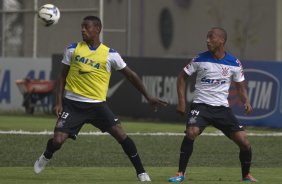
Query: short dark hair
(96,20)
(223,33)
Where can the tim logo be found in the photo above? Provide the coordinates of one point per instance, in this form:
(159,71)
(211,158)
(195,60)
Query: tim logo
(263,90)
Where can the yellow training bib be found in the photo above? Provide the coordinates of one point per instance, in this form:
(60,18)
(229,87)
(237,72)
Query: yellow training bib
(88,75)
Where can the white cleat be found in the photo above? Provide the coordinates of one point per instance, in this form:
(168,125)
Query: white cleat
(143,177)
(40,164)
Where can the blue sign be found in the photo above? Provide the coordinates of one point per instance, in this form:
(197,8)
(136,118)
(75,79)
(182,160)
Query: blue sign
(264,92)
(5,87)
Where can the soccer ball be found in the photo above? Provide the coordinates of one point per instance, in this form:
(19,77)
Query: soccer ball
(49,14)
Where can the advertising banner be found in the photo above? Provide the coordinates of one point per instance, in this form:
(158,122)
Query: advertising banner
(159,76)
(12,69)
(264,91)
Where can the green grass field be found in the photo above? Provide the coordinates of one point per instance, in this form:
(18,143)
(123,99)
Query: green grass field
(125,175)
(99,159)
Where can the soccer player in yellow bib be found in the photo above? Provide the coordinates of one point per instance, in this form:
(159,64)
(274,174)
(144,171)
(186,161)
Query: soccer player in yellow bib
(81,95)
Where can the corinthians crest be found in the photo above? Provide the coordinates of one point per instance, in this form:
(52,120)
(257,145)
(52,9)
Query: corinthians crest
(225,71)
(60,123)
(192,120)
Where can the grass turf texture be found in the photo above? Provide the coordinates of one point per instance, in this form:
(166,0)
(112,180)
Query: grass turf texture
(125,175)
(38,123)
(99,159)
(47,122)
(160,151)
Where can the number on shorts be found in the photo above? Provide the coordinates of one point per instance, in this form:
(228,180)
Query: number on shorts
(64,115)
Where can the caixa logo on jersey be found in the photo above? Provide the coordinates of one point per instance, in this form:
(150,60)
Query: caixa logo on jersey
(263,90)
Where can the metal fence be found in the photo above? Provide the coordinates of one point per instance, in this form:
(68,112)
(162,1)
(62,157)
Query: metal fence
(23,36)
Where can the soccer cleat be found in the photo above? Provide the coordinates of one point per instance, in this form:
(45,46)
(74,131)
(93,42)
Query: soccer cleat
(143,177)
(40,164)
(179,177)
(249,178)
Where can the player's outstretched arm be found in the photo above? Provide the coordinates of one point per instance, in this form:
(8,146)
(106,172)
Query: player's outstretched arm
(181,85)
(137,83)
(240,86)
(60,87)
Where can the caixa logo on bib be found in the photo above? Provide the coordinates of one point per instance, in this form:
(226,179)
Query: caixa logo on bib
(263,91)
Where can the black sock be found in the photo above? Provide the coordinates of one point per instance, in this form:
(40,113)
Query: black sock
(130,149)
(185,153)
(245,157)
(51,148)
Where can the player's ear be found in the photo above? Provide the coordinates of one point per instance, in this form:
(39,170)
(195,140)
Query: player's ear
(98,30)
(222,41)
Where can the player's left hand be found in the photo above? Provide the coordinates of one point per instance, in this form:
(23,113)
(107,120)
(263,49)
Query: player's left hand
(248,108)
(156,103)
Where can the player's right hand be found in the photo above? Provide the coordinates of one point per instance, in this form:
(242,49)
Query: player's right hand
(58,109)
(181,109)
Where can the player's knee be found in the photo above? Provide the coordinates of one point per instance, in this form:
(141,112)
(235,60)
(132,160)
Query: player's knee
(191,137)
(118,133)
(192,134)
(120,137)
(245,146)
(52,146)
(240,138)
(59,140)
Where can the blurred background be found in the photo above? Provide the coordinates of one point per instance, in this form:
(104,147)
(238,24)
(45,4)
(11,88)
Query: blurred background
(157,38)
(159,28)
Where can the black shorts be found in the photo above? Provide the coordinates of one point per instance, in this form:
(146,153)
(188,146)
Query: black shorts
(221,117)
(75,114)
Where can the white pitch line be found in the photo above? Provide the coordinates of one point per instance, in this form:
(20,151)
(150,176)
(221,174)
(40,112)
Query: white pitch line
(22,132)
